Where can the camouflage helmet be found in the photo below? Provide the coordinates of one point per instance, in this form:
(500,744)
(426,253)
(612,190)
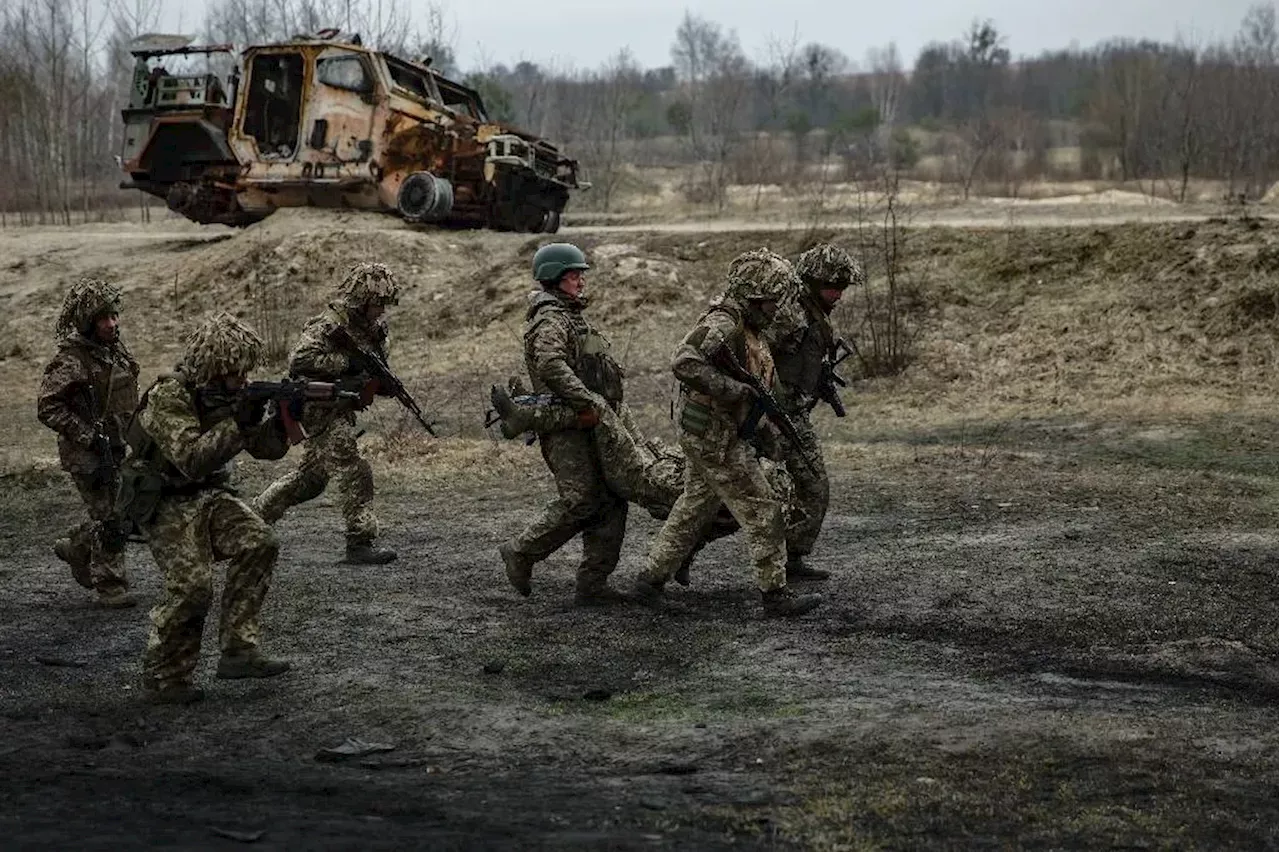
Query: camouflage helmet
(555,259)
(220,346)
(762,275)
(368,283)
(86,301)
(830,267)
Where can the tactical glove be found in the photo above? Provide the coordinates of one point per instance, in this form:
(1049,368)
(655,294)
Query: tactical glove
(249,412)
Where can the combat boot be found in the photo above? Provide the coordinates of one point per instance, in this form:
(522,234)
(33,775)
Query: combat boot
(798,570)
(649,594)
(77,559)
(518,418)
(785,603)
(594,590)
(519,569)
(116,599)
(178,693)
(249,664)
(364,553)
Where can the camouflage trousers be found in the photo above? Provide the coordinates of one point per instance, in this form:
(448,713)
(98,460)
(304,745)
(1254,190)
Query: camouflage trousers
(639,470)
(332,453)
(106,569)
(811,488)
(721,468)
(187,536)
(585,505)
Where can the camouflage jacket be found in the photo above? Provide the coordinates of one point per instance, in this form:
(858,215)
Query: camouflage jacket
(800,355)
(701,382)
(318,358)
(88,386)
(566,356)
(190,445)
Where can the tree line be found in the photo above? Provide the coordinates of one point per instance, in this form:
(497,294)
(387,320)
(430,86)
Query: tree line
(1164,113)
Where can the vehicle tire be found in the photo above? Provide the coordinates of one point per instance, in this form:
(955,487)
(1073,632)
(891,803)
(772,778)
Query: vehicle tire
(550,222)
(417,196)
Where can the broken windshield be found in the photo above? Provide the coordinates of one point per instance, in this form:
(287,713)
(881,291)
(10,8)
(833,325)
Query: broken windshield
(414,81)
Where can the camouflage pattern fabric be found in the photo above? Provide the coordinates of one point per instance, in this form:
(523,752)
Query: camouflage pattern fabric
(566,356)
(187,536)
(829,266)
(720,466)
(585,505)
(86,301)
(639,470)
(560,347)
(106,569)
(332,454)
(799,358)
(87,382)
(647,471)
(721,469)
(89,385)
(368,283)
(197,521)
(812,488)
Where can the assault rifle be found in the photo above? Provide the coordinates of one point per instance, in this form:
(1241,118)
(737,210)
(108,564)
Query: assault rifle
(763,405)
(289,395)
(830,382)
(105,473)
(374,364)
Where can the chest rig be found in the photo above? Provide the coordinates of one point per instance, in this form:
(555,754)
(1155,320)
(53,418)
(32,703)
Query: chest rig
(591,359)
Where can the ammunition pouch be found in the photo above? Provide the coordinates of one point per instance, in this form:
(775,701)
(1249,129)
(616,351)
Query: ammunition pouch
(695,418)
(597,369)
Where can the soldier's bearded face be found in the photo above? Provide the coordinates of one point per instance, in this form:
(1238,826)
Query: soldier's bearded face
(374,311)
(235,382)
(106,328)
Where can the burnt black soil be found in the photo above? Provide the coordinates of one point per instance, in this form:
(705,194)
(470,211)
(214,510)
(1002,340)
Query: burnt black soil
(1021,648)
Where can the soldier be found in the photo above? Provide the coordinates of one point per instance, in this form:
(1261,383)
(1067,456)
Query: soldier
(332,451)
(188,428)
(87,396)
(568,358)
(800,357)
(721,466)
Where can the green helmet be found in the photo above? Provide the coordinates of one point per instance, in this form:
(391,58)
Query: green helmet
(762,275)
(555,259)
(828,266)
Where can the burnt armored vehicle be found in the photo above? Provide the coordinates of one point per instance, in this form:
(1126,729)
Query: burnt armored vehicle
(324,121)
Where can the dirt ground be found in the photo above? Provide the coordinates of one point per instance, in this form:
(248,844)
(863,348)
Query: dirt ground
(1051,623)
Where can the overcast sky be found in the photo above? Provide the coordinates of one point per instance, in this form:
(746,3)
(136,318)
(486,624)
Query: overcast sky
(585,33)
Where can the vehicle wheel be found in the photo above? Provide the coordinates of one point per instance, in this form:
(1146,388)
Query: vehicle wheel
(550,222)
(423,197)
(417,196)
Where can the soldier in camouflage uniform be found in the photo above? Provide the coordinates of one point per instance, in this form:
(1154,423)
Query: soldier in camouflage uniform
(332,451)
(188,428)
(567,357)
(721,466)
(87,396)
(642,470)
(800,356)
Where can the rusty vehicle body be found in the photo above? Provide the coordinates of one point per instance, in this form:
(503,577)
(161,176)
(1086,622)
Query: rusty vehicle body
(324,121)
